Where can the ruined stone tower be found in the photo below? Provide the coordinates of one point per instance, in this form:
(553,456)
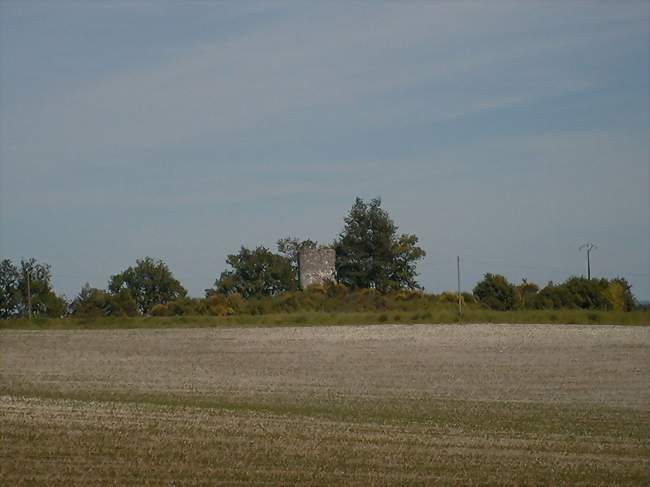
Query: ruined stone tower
(316,266)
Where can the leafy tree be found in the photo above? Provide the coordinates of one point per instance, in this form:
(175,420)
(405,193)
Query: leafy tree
(619,293)
(121,304)
(148,283)
(9,289)
(599,293)
(35,280)
(495,292)
(56,306)
(257,272)
(92,302)
(587,293)
(406,253)
(370,254)
(584,293)
(31,278)
(553,296)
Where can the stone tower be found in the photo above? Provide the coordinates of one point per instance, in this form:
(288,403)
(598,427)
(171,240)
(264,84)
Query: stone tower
(316,266)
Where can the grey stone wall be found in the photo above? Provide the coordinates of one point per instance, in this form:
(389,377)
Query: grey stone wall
(316,266)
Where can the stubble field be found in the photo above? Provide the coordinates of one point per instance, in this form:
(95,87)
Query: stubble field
(350,405)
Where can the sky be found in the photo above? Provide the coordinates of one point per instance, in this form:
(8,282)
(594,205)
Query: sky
(506,133)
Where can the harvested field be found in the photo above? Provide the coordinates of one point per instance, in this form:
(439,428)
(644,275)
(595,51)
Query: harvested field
(390,404)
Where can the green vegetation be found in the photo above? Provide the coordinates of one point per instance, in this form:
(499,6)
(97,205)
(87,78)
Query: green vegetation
(495,292)
(495,301)
(257,272)
(148,283)
(441,315)
(375,278)
(28,288)
(93,302)
(370,254)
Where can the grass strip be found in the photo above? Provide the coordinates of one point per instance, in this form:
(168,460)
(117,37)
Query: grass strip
(442,316)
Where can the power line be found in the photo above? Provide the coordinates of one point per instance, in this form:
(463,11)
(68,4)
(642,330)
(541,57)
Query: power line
(430,266)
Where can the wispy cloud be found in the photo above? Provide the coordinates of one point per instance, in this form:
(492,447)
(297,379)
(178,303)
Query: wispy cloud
(486,127)
(331,59)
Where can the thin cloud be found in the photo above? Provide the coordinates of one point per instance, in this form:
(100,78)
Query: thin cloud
(221,89)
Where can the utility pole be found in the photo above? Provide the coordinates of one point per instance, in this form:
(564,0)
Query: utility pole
(589,247)
(29,294)
(460,297)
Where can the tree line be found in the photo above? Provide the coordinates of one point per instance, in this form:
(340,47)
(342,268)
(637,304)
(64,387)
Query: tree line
(375,269)
(496,292)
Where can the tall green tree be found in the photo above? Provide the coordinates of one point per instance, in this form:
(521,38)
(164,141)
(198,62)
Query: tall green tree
(9,289)
(31,281)
(35,284)
(148,283)
(257,272)
(370,253)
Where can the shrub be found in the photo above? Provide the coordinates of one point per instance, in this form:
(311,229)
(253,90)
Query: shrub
(495,292)
(159,310)
(468,298)
(448,297)
(186,307)
(526,293)
(580,292)
(619,294)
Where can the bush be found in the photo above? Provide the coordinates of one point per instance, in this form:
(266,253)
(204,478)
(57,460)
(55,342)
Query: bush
(92,302)
(619,294)
(159,310)
(526,294)
(588,293)
(468,298)
(186,307)
(495,292)
(583,293)
(55,306)
(448,297)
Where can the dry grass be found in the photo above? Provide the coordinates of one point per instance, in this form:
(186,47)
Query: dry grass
(463,405)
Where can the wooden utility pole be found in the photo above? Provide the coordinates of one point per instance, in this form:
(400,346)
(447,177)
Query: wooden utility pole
(589,247)
(460,297)
(29,294)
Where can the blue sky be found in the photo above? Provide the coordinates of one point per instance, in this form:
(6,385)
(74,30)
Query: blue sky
(508,133)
